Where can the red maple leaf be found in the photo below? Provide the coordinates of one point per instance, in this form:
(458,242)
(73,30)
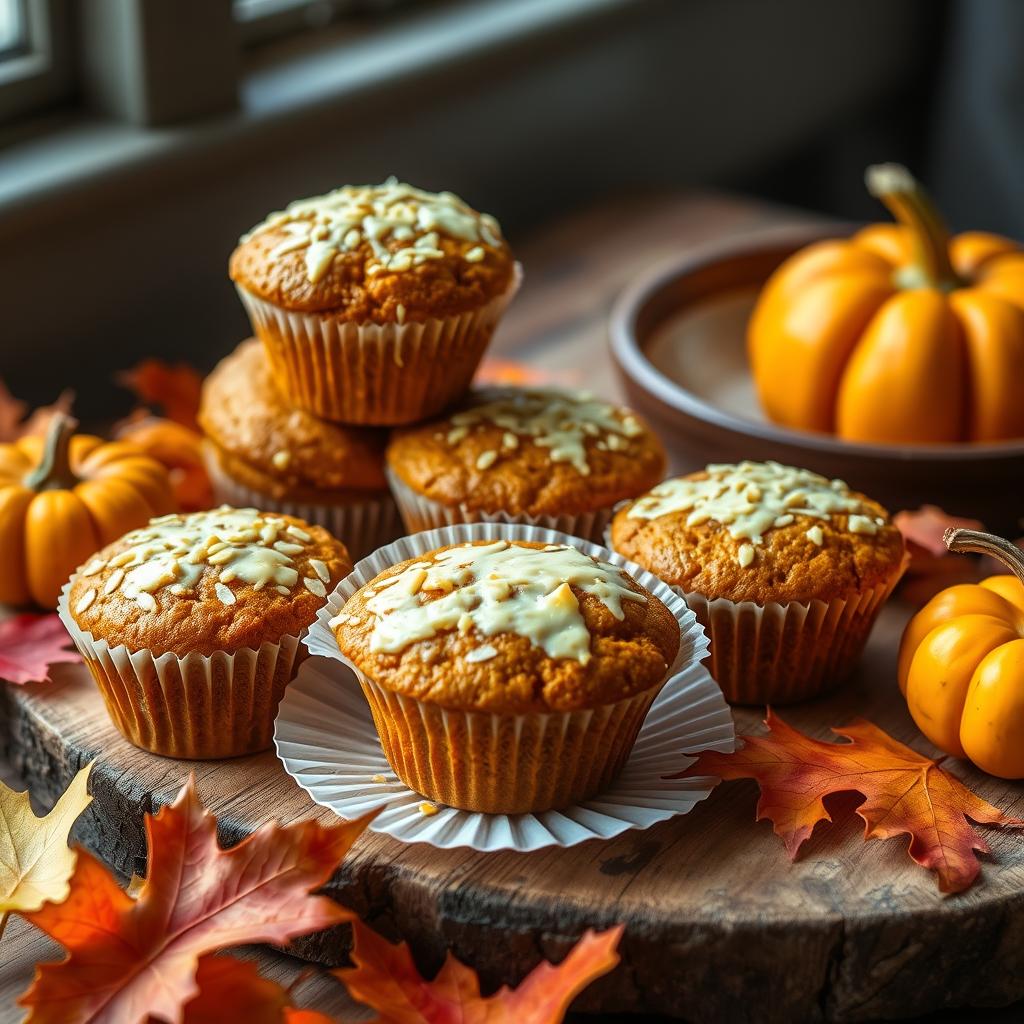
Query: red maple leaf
(385,977)
(131,958)
(30,644)
(176,389)
(905,793)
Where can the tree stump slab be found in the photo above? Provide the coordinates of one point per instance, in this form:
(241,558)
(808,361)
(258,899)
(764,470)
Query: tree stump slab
(719,924)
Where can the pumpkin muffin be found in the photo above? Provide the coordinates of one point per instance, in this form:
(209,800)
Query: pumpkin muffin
(375,302)
(506,676)
(557,459)
(260,451)
(191,625)
(786,569)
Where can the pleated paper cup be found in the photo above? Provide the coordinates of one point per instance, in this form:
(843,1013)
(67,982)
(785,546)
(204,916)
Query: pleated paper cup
(781,653)
(489,762)
(380,374)
(422,513)
(196,707)
(362,524)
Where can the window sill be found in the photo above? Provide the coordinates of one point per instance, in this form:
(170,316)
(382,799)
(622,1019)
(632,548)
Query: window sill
(291,81)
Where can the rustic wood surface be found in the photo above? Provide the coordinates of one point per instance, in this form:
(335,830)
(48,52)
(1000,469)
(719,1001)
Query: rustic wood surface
(720,926)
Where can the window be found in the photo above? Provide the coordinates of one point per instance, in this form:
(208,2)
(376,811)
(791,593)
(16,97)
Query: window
(35,66)
(260,20)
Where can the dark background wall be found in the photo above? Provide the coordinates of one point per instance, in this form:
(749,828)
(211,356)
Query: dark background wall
(788,99)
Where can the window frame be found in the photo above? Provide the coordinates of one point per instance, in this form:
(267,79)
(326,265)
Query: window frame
(41,70)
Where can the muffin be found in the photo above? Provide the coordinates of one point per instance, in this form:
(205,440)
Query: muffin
(375,302)
(191,625)
(260,451)
(506,676)
(786,570)
(551,458)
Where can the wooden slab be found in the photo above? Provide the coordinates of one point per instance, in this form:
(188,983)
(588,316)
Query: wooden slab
(720,926)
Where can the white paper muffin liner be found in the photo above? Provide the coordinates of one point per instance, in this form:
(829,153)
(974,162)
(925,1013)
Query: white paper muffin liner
(384,374)
(781,653)
(362,525)
(422,513)
(197,706)
(326,739)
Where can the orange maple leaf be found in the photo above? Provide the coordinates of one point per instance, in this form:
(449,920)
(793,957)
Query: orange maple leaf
(231,989)
(176,389)
(905,793)
(385,977)
(13,423)
(131,958)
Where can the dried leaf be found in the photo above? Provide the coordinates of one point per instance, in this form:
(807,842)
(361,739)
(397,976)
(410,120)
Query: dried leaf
(131,958)
(12,411)
(905,793)
(35,860)
(234,990)
(385,977)
(175,389)
(924,528)
(30,644)
(176,447)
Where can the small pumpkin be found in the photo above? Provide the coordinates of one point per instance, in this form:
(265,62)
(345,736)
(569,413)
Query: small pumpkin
(898,334)
(64,497)
(961,663)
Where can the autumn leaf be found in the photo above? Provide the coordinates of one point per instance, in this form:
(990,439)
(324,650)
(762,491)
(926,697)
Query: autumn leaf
(175,389)
(131,958)
(234,990)
(30,644)
(176,447)
(905,793)
(35,860)
(385,977)
(12,412)
(930,568)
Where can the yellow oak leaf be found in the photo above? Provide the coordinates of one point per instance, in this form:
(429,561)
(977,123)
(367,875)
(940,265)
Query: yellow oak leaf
(35,860)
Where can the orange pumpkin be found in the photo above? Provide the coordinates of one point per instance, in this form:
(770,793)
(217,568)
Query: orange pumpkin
(961,663)
(63,498)
(899,334)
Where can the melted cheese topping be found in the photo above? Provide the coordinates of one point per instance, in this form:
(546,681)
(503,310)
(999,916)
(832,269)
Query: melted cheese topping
(175,550)
(379,214)
(752,498)
(559,421)
(495,588)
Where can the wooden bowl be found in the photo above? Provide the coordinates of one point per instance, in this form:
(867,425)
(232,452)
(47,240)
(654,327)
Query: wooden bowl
(678,338)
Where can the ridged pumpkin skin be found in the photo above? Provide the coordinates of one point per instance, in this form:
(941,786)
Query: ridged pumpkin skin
(898,334)
(85,493)
(961,669)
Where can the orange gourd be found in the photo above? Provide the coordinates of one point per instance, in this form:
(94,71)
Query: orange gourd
(898,334)
(961,663)
(63,498)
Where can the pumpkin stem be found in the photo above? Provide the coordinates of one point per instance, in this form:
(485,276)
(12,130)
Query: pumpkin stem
(912,207)
(987,544)
(54,469)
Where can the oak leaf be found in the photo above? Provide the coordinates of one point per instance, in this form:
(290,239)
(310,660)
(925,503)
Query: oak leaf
(385,978)
(176,389)
(129,958)
(35,860)
(30,644)
(905,793)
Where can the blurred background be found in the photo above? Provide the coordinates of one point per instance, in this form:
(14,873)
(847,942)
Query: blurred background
(139,138)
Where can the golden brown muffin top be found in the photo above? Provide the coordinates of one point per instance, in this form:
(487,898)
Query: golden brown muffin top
(529,452)
(386,253)
(760,532)
(208,581)
(243,412)
(508,626)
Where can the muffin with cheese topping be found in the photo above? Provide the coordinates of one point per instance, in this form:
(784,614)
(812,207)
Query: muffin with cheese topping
(260,451)
(551,458)
(191,625)
(507,676)
(375,302)
(786,569)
